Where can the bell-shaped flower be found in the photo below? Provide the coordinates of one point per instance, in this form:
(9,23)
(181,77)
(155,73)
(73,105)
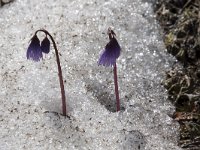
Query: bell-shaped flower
(111,52)
(34,51)
(45,45)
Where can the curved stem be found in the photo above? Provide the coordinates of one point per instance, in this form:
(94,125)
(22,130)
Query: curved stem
(116,87)
(59,72)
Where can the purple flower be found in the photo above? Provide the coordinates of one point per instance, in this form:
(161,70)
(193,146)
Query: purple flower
(34,51)
(111,52)
(45,45)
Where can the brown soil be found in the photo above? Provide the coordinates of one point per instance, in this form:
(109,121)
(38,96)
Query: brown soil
(180,21)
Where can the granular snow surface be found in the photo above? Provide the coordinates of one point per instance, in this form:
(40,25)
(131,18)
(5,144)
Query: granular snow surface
(30,93)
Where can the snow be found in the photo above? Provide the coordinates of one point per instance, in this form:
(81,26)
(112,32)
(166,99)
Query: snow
(30,93)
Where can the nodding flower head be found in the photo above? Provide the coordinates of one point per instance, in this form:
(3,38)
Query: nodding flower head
(111,51)
(34,51)
(45,45)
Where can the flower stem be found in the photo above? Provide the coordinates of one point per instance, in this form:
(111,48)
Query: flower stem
(64,109)
(116,87)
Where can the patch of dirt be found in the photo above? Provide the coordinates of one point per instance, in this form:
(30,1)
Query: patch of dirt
(180,21)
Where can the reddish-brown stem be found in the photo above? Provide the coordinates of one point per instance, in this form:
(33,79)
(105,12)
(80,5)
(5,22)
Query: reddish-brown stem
(64,109)
(116,87)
